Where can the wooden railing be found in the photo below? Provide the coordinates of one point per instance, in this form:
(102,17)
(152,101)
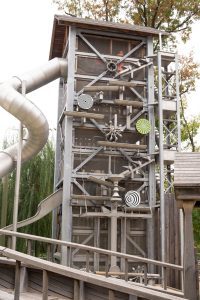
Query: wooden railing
(127,258)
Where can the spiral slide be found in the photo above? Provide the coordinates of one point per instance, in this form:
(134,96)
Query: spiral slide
(31,117)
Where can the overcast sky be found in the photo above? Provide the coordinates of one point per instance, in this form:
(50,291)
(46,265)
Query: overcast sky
(25,32)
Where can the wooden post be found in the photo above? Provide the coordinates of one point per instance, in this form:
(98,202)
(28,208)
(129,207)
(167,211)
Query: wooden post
(190,286)
(45,285)
(111,295)
(17,280)
(76,289)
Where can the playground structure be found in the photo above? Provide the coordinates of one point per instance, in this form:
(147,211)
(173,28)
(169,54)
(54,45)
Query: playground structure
(114,212)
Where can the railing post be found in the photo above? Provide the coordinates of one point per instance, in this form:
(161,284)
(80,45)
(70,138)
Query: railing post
(17,280)
(87,261)
(9,242)
(164,283)
(45,285)
(107,265)
(111,295)
(145,275)
(49,252)
(126,269)
(76,289)
(29,246)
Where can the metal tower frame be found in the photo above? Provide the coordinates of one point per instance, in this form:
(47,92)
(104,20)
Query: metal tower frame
(74,153)
(169,128)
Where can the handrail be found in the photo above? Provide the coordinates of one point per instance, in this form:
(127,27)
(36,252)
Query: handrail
(91,249)
(110,283)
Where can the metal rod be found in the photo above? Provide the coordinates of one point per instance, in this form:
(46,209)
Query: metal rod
(18,175)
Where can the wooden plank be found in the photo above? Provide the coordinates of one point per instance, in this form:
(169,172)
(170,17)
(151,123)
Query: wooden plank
(90,198)
(80,114)
(99,88)
(124,83)
(122,145)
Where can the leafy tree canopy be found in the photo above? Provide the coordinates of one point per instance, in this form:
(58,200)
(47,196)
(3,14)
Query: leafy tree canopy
(170,15)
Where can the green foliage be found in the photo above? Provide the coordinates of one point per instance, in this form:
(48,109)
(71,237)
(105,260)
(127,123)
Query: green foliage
(170,15)
(107,10)
(188,74)
(196,226)
(36,184)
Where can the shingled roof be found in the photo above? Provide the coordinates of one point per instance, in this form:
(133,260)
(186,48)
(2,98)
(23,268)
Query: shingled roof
(61,22)
(187,169)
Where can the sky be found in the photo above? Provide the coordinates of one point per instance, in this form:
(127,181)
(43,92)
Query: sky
(25,31)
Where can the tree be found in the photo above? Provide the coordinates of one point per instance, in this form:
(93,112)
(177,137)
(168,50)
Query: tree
(36,184)
(170,15)
(107,10)
(189,73)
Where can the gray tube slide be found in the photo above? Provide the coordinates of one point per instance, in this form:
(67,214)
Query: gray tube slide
(31,117)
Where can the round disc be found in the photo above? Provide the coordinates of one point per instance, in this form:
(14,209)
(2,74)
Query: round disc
(143,126)
(132,198)
(85,101)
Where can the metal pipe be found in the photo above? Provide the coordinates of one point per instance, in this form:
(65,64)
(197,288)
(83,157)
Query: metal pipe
(29,115)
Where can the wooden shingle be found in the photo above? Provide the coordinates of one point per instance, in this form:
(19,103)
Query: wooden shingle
(187,169)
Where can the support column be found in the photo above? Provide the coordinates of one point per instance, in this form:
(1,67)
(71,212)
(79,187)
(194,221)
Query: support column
(190,282)
(151,149)
(96,242)
(66,227)
(113,233)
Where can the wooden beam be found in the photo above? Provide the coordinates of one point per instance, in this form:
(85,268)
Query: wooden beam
(103,182)
(98,88)
(82,114)
(134,104)
(89,198)
(123,83)
(129,274)
(122,145)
